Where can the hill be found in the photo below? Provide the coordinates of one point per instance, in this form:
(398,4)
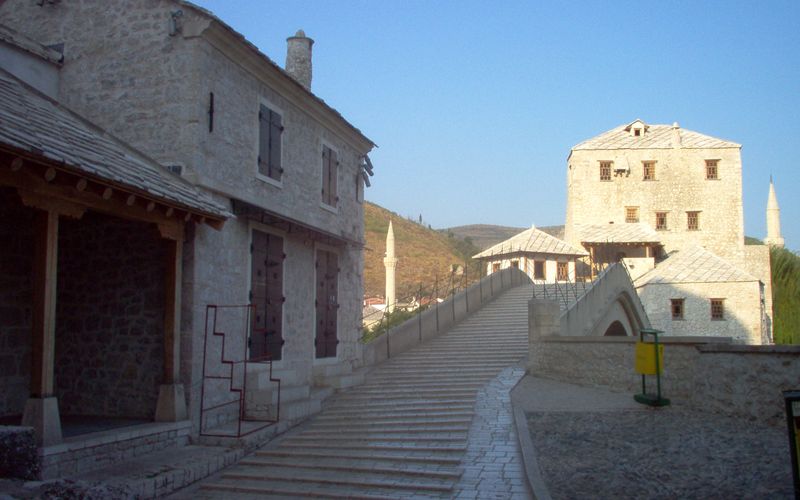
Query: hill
(485,235)
(423,253)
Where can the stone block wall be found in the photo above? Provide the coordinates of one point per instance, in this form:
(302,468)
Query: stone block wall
(109,317)
(742,309)
(18,453)
(16,298)
(708,374)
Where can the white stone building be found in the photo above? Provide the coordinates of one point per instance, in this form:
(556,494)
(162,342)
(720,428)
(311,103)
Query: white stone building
(543,257)
(195,96)
(648,195)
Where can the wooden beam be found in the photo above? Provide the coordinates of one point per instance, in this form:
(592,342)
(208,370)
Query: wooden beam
(172,309)
(44,303)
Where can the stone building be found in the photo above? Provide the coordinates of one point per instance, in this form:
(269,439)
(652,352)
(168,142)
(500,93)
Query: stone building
(649,195)
(543,257)
(175,82)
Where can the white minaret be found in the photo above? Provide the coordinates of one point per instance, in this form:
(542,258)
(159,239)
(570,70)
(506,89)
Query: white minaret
(390,262)
(774,237)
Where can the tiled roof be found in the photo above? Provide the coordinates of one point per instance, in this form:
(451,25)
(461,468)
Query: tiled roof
(12,37)
(616,233)
(655,137)
(30,121)
(694,265)
(532,241)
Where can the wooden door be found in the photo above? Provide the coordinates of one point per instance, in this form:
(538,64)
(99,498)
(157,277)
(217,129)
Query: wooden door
(266,294)
(327,304)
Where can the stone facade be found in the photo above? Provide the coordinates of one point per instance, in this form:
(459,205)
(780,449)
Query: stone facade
(679,186)
(109,329)
(186,89)
(741,314)
(16,264)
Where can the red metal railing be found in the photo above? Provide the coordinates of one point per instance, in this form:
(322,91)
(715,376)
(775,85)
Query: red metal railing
(235,387)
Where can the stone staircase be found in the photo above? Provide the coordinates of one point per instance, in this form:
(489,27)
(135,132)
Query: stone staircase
(403,432)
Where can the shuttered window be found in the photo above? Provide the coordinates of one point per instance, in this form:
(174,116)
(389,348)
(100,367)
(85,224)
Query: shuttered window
(330,171)
(270,128)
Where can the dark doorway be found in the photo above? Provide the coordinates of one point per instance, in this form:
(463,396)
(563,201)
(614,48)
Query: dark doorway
(266,293)
(327,304)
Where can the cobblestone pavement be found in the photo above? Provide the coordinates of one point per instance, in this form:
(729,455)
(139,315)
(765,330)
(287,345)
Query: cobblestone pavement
(493,464)
(607,448)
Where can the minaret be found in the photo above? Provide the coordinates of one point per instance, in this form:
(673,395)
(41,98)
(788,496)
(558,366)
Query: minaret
(390,262)
(774,237)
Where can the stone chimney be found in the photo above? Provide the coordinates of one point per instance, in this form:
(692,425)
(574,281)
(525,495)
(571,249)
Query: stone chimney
(676,135)
(298,58)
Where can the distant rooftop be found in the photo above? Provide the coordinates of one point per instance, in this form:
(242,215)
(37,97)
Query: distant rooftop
(651,137)
(616,233)
(694,265)
(532,241)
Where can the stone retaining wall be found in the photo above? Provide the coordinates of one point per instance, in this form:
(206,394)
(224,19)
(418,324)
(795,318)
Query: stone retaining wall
(705,373)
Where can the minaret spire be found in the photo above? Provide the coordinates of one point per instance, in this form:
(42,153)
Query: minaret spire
(774,237)
(390,262)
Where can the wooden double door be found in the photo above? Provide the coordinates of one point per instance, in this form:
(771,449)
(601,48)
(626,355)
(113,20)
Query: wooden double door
(266,294)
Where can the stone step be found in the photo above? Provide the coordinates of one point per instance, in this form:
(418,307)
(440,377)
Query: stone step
(417,436)
(339,412)
(351,425)
(399,456)
(408,416)
(361,445)
(365,465)
(286,489)
(310,477)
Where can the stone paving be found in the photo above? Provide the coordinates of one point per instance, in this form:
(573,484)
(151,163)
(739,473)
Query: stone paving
(493,465)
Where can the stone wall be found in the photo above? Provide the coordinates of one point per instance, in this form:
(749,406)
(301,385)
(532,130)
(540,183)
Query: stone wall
(680,186)
(742,309)
(707,373)
(16,297)
(109,317)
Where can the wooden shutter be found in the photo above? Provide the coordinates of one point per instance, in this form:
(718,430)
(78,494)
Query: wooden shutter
(275,131)
(332,174)
(263,140)
(326,175)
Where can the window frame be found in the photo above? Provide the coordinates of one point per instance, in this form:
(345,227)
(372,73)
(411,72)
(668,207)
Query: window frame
(543,265)
(606,166)
(632,215)
(562,276)
(712,164)
(659,217)
(717,309)
(262,102)
(677,313)
(651,174)
(693,220)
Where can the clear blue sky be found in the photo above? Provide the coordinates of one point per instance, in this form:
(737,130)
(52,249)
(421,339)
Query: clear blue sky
(475,104)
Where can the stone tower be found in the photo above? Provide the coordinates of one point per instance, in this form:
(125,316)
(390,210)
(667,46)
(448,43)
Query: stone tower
(390,262)
(298,58)
(774,237)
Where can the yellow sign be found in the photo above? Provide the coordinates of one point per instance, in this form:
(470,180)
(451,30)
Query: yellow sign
(646,358)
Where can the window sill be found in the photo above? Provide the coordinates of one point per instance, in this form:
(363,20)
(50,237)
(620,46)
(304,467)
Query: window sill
(269,180)
(329,208)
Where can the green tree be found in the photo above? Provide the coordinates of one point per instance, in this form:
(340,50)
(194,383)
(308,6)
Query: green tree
(785,296)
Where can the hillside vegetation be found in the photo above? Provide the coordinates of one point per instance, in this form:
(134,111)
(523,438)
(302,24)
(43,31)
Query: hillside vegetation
(423,253)
(785,296)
